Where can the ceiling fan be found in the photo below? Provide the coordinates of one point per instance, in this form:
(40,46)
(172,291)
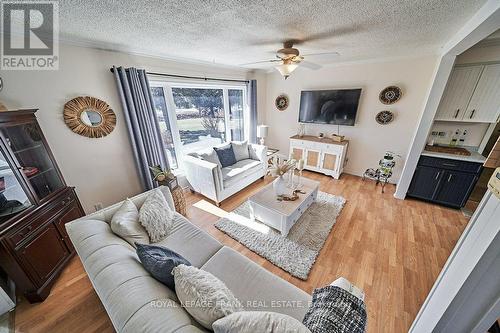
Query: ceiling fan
(288,59)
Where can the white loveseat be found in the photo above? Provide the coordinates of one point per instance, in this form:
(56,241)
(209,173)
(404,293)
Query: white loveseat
(218,183)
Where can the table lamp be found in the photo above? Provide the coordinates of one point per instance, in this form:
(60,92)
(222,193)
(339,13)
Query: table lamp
(262,131)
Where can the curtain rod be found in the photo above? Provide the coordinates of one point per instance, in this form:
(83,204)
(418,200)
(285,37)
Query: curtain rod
(191,77)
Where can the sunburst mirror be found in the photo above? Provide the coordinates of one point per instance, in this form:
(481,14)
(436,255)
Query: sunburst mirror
(89,116)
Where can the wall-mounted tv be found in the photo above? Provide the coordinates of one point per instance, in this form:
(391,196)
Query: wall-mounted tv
(338,107)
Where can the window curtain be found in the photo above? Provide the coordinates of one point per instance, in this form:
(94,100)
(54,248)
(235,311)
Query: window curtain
(252,103)
(142,125)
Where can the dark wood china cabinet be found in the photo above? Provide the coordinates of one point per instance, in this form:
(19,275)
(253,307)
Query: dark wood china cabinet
(35,203)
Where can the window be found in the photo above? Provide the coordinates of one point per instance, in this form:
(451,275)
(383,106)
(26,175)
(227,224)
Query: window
(195,117)
(165,129)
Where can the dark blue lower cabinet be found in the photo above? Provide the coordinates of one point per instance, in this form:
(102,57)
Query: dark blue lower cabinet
(455,188)
(425,182)
(443,186)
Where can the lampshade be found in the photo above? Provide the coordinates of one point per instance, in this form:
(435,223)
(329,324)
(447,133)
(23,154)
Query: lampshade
(286,69)
(262,131)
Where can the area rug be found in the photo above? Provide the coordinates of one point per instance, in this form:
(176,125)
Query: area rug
(295,253)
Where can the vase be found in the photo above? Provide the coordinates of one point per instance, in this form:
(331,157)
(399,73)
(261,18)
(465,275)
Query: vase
(279,186)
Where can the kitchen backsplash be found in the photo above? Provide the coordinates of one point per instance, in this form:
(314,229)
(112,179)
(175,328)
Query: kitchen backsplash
(445,131)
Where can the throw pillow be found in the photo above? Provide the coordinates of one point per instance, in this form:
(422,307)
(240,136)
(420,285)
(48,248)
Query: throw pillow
(334,309)
(125,223)
(156,216)
(226,155)
(204,296)
(209,156)
(259,321)
(160,261)
(240,149)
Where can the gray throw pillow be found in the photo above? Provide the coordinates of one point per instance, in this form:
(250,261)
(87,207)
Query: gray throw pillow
(259,321)
(240,149)
(209,156)
(226,155)
(125,223)
(159,262)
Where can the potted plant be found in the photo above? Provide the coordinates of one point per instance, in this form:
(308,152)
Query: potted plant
(164,177)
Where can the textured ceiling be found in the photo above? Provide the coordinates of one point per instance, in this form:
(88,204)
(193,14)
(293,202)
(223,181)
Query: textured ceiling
(236,32)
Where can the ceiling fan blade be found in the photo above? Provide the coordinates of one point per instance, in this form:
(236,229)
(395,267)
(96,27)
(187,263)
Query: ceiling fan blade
(260,62)
(324,54)
(310,65)
(305,37)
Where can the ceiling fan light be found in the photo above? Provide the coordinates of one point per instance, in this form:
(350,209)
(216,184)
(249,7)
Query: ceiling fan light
(286,69)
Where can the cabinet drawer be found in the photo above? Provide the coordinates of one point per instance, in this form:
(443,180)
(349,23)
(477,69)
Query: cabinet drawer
(330,148)
(296,143)
(46,215)
(444,163)
(25,231)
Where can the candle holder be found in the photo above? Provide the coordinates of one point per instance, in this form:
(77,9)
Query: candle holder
(299,167)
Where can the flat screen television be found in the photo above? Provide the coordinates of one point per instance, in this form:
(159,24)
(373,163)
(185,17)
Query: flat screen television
(338,107)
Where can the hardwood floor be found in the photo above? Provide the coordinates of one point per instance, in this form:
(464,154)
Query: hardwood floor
(392,249)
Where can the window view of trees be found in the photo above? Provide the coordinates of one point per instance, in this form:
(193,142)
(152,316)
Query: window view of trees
(199,118)
(200,114)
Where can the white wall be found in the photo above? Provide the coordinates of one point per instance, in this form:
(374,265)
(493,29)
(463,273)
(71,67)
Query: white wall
(102,169)
(368,139)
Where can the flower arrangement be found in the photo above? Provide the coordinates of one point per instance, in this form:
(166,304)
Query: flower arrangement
(280,168)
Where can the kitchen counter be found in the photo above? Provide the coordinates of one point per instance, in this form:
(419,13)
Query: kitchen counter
(474,156)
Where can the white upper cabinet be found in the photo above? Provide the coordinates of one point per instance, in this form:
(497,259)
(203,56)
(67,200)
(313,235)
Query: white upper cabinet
(484,105)
(458,92)
(472,95)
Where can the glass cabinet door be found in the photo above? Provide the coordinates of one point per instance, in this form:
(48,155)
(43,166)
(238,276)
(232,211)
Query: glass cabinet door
(13,199)
(27,144)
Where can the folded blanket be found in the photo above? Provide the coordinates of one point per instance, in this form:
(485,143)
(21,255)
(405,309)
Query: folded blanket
(335,310)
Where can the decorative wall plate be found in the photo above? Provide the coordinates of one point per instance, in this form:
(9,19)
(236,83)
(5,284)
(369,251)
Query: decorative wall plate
(384,117)
(281,102)
(390,95)
(89,116)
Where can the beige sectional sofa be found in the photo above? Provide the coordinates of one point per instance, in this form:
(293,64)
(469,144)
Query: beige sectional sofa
(135,301)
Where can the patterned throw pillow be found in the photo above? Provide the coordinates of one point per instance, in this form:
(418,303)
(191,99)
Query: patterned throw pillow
(226,155)
(334,309)
(156,216)
(204,296)
(160,261)
(125,223)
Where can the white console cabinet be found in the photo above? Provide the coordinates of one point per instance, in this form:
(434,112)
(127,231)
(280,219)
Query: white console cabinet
(320,154)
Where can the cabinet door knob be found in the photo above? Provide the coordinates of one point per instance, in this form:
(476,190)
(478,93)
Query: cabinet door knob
(456,113)
(450,177)
(437,176)
(472,114)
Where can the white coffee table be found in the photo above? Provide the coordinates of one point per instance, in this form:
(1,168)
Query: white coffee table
(282,215)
